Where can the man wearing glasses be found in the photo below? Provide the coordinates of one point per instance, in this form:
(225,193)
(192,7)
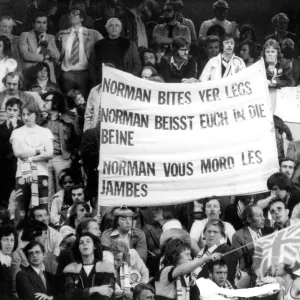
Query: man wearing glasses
(76,44)
(122,229)
(33,282)
(171,28)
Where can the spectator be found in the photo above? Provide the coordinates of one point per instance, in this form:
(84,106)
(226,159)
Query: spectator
(247,32)
(40,213)
(247,52)
(254,229)
(6,27)
(184,21)
(88,254)
(90,147)
(76,44)
(179,66)
(143,291)
(148,58)
(37,46)
(117,50)
(178,265)
(234,212)
(218,271)
(280,23)
(279,71)
(216,30)
(212,209)
(281,186)
(34,231)
(33,147)
(171,28)
(225,64)
(50,8)
(212,49)
(7,64)
(42,83)
(8,243)
(62,200)
(66,135)
(8,161)
(220,9)
(33,281)
(78,212)
(122,230)
(289,52)
(13,89)
(287,166)
(280,214)
(128,264)
(142,14)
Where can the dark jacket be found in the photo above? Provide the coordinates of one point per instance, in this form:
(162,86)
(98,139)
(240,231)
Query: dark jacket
(231,216)
(137,241)
(69,134)
(171,74)
(6,290)
(132,62)
(293,200)
(28,283)
(75,287)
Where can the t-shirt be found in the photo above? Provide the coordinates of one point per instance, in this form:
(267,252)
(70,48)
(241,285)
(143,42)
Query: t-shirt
(32,139)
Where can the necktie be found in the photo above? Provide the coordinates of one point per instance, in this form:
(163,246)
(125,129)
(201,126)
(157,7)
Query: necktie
(74,58)
(43,278)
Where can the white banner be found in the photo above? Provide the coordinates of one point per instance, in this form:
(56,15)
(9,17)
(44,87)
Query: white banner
(288,104)
(164,144)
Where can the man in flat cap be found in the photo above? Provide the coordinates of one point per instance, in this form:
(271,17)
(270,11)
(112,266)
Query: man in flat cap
(220,9)
(122,230)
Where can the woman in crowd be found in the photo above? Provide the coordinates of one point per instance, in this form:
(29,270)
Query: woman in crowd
(180,65)
(8,243)
(89,277)
(62,200)
(247,52)
(174,278)
(279,71)
(34,231)
(42,83)
(212,208)
(224,64)
(7,64)
(130,268)
(78,212)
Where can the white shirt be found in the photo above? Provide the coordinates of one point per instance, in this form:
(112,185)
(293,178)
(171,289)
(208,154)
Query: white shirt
(255,236)
(198,227)
(32,139)
(83,62)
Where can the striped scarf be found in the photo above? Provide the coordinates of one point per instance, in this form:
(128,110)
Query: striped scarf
(206,253)
(183,280)
(30,176)
(125,277)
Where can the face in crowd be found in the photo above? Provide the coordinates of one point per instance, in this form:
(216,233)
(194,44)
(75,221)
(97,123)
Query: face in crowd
(183,52)
(125,224)
(228,46)
(279,213)
(78,195)
(86,246)
(148,58)
(212,235)
(6,27)
(13,112)
(221,13)
(245,52)
(258,220)
(36,256)
(219,275)
(212,49)
(288,168)
(169,13)
(7,244)
(12,85)
(213,209)
(42,216)
(40,25)
(114,28)
(75,17)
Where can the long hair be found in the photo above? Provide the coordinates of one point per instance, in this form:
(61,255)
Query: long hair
(7,230)
(97,245)
(120,247)
(272,43)
(173,250)
(73,213)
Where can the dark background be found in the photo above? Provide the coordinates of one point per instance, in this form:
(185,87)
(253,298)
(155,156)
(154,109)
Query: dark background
(256,12)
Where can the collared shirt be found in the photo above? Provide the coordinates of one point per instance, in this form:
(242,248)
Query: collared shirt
(83,62)
(255,235)
(38,270)
(122,238)
(173,63)
(5,259)
(53,126)
(282,226)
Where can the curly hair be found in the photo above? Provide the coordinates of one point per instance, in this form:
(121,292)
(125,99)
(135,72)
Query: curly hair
(73,213)
(173,250)
(120,247)
(7,230)
(97,247)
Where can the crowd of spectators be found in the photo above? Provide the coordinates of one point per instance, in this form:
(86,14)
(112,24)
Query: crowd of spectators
(55,243)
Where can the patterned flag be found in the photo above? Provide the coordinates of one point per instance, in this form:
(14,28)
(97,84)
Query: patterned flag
(280,247)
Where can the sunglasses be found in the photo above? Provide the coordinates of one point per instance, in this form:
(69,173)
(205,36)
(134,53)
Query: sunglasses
(168,10)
